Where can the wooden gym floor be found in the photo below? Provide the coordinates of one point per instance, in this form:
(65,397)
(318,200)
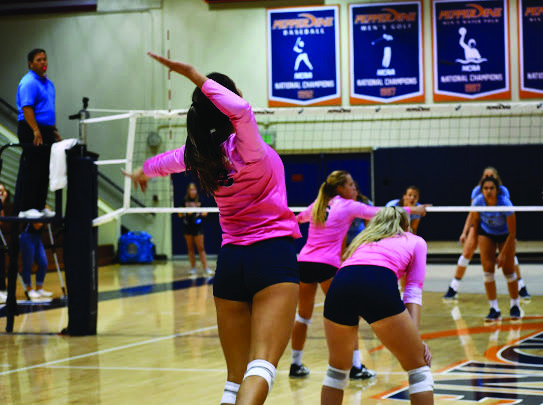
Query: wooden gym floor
(157,343)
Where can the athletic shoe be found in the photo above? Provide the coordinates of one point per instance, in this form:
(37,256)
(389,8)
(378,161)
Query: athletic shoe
(3,296)
(361,373)
(43,293)
(193,271)
(31,214)
(515,313)
(209,272)
(451,295)
(33,295)
(493,316)
(297,371)
(523,293)
(48,213)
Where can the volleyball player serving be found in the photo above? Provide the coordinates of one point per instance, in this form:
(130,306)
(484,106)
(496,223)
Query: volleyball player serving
(256,281)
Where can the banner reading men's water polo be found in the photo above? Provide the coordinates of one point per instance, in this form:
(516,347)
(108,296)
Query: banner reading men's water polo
(303,56)
(386,52)
(471,50)
(530,23)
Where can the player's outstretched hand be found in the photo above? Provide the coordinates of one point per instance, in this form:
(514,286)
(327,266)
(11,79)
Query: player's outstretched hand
(138,178)
(419,209)
(180,67)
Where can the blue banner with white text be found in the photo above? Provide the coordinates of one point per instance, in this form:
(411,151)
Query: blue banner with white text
(303,56)
(386,52)
(530,55)
(471,50)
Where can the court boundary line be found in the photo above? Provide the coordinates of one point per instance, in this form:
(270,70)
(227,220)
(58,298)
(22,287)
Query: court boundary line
(110,350)
(323,371)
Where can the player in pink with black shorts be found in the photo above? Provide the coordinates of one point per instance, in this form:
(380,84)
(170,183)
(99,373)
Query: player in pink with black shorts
(256,281)
(329,217)
(366,286)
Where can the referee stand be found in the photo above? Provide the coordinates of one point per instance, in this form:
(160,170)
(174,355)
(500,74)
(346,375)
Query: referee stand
(80,241)
(13,248)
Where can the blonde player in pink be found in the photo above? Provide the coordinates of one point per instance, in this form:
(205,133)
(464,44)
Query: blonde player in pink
(256,281)
(366,286)
(329,217)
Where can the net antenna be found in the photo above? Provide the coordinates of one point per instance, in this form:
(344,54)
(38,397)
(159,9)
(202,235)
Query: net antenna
(82,115)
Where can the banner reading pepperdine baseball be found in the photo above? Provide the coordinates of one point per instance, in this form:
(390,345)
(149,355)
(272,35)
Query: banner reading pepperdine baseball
(303,56)
(471,50)
(386,52)
(530,23)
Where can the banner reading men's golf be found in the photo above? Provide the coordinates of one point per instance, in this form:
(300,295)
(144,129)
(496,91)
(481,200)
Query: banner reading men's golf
(530,22)
(386,52)
(303,56)
(471,50)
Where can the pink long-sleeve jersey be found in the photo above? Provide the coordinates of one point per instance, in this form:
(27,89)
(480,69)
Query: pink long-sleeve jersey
(254,207)
(324,241)
(403,254)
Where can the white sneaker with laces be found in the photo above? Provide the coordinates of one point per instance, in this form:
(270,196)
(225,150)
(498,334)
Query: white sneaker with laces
(48,213)
(32,213)
(43,293)
(33,294)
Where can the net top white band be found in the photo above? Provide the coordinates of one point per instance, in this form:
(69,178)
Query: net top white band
(450,110)
(111,216)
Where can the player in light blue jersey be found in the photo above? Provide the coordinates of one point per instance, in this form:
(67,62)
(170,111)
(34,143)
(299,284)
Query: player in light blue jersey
(410,198)
(468,239)
(496,231)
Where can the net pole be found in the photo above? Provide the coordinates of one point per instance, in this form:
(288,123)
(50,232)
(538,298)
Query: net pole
(169,84)
(129,159)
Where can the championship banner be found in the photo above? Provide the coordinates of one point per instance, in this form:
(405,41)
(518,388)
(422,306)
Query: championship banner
(471,50)
(303,56)
(530,24)
(386,53)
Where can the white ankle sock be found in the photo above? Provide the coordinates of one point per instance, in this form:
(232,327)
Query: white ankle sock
(455,283)
(297,357)
(494,304)
(356,359)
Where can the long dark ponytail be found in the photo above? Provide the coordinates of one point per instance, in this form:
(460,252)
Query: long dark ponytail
(207,128)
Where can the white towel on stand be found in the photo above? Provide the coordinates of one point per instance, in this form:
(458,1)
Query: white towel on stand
(57,165)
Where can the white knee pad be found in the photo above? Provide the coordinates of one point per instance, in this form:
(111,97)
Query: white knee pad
(303,320)
(230,393)
(488,277)
(336,378)
(462,261)
(516,261)
(420,380)
(511,278)
(261,368)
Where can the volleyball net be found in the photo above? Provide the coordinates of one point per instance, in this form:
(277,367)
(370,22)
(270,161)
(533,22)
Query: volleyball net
(335,130)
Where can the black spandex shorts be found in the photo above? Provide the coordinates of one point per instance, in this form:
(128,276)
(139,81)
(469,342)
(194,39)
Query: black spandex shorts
(242,271)
(367,291)
(193,229)
(496,238)
(311,272)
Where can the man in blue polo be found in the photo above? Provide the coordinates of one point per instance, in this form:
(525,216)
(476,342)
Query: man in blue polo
(36,129)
